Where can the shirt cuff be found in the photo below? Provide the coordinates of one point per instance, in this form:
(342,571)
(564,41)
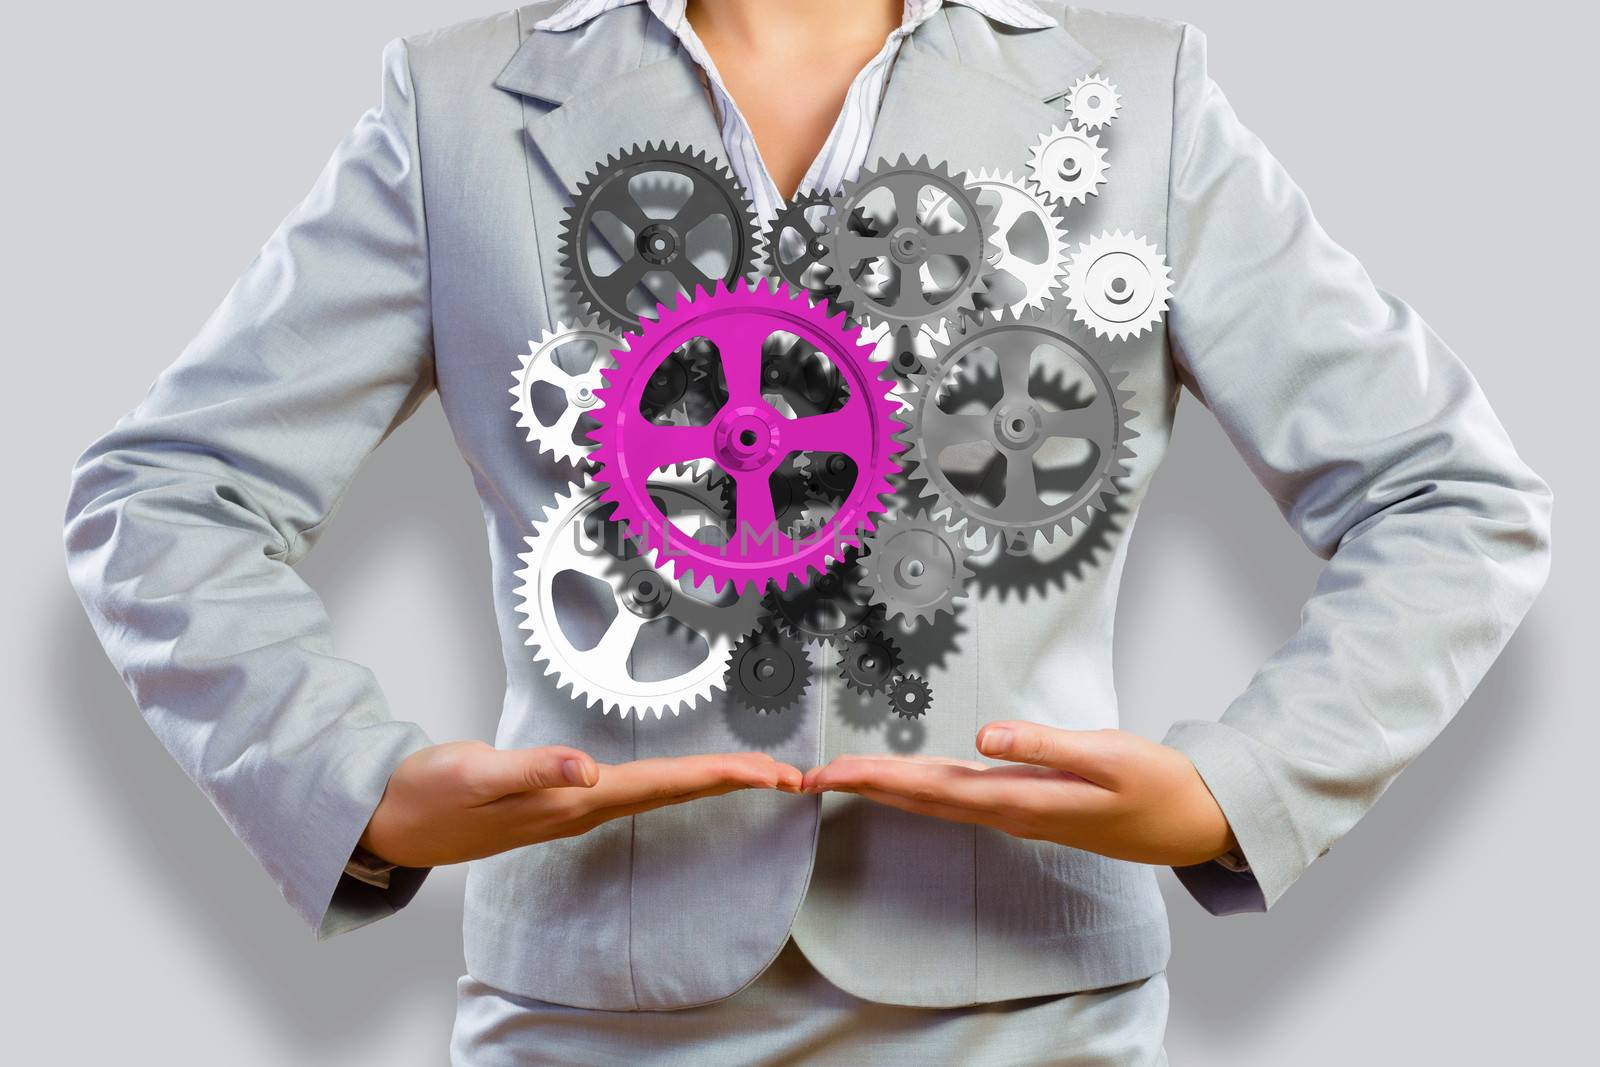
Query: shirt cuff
(365,867)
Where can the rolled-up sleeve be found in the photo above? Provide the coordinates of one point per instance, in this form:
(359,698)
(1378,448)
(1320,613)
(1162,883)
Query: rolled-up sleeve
(186,519)
(1383,454)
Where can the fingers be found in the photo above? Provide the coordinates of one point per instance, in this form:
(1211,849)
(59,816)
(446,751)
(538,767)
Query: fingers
(493,773)
(951,784)
(1096,755)
(665,778)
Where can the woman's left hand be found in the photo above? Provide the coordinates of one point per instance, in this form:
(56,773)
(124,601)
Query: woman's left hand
(1105,791)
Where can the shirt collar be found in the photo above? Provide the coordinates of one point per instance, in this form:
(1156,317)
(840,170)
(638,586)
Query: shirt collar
(1019,14)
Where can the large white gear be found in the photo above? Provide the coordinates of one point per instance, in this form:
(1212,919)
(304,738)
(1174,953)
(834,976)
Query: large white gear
(1068,165)
(541,365)
(573,536)
(1119,285)
(1093,102)
(1032,274)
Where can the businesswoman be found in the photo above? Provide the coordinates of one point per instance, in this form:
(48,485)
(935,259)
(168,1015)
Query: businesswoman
(970,877)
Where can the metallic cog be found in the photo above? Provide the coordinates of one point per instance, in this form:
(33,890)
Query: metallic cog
(888,272)
(835,606)
(916,567)
(1093,102)
(1030,241)
(869,663)
(911,696)
(610,628)
(1119,285)
(1068,165)
(995,462)
(650,240)
(794,247)
(748,439)
(768,671)
(564,436)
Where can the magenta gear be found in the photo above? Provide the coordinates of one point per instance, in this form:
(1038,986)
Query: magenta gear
(748,438)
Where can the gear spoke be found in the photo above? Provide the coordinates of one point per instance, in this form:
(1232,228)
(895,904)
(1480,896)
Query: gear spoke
(821,433)
(1016,372)
(754,513)
(1022,482)
(663,446)
(957,429)
(616,644)
(1082,424)
(626,209)
(855,247)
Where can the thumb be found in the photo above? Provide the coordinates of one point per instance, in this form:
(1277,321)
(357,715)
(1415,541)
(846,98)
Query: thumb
(519,770)
(1087,753)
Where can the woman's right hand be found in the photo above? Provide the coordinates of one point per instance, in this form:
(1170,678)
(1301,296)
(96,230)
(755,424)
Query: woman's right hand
(466,800)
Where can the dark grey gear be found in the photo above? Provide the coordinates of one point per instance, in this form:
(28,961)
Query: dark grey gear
(834,606)
(869,663)
(911,696)
(794,244)
(768,670)
(833,475)
(916,567)
(653,248)
(871,258)
(954,450)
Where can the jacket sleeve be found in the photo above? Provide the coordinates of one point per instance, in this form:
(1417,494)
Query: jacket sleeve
(185,520)
(1385,457)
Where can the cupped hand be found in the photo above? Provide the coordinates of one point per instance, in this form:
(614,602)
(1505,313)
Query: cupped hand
(467,800)
(1105,791)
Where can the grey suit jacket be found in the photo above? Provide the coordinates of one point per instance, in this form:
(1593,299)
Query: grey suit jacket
(425,258)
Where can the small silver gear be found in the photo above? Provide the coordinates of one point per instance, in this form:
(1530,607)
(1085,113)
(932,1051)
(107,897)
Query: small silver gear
(883,260)
(1068,165)
(1119,285)
(990,460)
(1093,102)
(1030,241)
(587,595)
(915,567)
(553,362)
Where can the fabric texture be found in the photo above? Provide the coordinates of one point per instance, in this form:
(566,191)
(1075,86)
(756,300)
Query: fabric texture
(792,1015)
(427,255)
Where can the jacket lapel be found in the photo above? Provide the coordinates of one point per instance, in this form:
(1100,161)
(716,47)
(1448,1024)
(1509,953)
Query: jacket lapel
(964,90)
(613,82)
(976,94)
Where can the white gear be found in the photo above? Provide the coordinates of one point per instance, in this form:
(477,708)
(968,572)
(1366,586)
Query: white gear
(1119,285)
(1032,275)
(1093,102)
(540,365)
(571,538)
(1068,165)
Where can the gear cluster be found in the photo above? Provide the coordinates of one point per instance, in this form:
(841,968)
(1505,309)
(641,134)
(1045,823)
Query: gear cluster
(791,473)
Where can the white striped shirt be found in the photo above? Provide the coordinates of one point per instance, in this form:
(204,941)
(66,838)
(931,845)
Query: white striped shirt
(845,151)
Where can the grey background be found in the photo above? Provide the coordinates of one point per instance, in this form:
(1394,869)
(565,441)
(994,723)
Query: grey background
(151,150)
